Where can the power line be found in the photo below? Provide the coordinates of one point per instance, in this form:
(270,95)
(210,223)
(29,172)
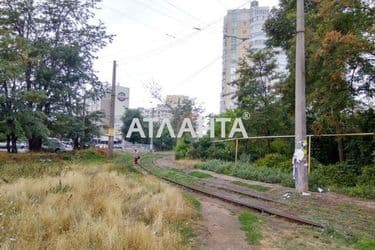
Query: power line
(140,22)
(177,41)
(199,71)
(160,12)
(183,11)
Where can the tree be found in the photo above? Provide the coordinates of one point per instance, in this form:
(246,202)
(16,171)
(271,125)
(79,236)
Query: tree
(187,108)
(53,45)
(127,120)
(339,57)
(257,94)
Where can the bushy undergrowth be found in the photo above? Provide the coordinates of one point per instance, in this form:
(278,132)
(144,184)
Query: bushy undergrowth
(275,168)
(248,171)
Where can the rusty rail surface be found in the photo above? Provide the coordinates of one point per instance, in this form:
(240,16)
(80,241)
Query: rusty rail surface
(213,192)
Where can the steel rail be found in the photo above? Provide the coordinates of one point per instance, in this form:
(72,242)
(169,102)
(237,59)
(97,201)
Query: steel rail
(211,192)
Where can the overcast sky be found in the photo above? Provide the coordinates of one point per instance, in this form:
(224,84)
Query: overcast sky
(159,41)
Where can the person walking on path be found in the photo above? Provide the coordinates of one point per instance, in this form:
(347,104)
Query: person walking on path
(136,157)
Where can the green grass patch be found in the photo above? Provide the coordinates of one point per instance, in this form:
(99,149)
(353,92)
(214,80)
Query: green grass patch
(248,171)
(200,175)
(366,243)
(251,186)
(187,232)
(250,224)
(174,174)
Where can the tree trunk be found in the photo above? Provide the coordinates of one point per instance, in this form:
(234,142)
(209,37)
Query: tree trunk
(8,143)
(76,143)
(340,147)
(14,143)
(340,140)
(35,144)
(269,145)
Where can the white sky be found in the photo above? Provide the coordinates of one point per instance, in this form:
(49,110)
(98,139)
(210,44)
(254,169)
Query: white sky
(156,41)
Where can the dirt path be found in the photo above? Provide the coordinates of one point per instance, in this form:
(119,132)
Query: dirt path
(221,229)
(219,226)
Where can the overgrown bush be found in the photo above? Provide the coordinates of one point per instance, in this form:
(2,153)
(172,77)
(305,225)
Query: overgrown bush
(335,175)
(271,160)
(248,171)
(182,149)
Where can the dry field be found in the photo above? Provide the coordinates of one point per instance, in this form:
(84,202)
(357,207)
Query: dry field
(92,208)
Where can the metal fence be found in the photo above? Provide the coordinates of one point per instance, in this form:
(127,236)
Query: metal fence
(309,141)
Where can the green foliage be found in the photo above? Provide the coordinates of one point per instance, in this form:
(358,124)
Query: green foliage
(182,149)
(127,119)
(248,171)
(366,243)
(360,190)
(367,175)
(165,142)
(258,95)
(217,166)
(34,96)
(251,186)
(200,175)
(339,60)
(91,155)
(46,68)
(335,175)
(251,225)
(283,147)
(175,175)
(276,160)
(271,160)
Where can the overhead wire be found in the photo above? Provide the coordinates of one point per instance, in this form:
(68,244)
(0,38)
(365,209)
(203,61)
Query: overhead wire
(205,67)
(176,42)
(159,12)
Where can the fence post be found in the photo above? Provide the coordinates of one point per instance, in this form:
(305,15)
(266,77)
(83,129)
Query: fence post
(236,154)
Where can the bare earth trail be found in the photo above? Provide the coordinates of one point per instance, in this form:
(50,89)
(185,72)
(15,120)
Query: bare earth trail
(220,228)
(219,225)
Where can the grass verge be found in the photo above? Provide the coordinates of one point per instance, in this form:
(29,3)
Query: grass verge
(200,175)
(250,224)
(81,203)
(251,186)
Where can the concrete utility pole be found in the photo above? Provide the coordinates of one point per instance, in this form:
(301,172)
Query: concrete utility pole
(300,146)
(111,129)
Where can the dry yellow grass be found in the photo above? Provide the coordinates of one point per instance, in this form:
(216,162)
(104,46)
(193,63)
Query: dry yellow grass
(91,209)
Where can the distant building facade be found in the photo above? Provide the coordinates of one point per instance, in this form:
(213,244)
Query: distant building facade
(242,31)
(104,105)
(162,111)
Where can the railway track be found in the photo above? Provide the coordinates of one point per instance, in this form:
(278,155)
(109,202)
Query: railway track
(223,193)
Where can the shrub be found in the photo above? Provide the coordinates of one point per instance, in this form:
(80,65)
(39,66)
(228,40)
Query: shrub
(367,176)
(271,160)
(248,171)
(361,190)
(222,152)
(282,146)
(217,166)
(182,149)
(92,154)
(245,158)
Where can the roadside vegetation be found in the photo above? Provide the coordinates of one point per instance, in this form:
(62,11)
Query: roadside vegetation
(250,224)
(82,201)
(336,177)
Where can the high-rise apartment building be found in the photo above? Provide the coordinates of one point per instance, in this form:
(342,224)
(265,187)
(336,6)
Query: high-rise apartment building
(104,105)
(243,30)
